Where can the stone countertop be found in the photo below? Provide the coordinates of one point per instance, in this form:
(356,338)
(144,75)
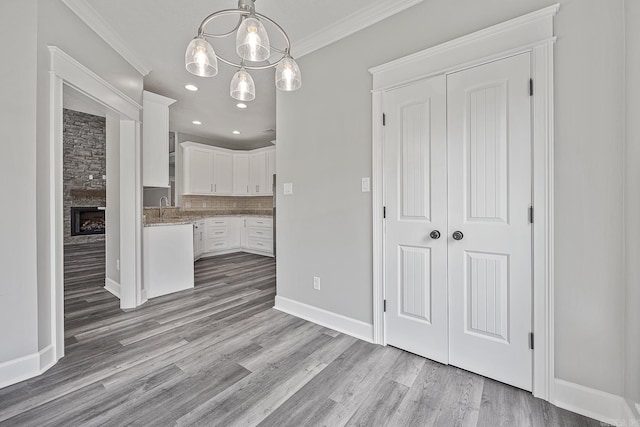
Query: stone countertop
(190,219)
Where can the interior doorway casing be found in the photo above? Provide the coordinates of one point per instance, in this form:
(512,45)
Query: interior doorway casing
(64,70)
(531,33)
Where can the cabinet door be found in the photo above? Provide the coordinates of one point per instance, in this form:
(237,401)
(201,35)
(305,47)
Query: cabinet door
(271,170)
(241,174)
(199,171)
(155,140)
(235,229)
(222,173)
(258,173)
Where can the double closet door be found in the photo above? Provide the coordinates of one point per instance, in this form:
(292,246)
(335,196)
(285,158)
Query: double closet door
(457,185)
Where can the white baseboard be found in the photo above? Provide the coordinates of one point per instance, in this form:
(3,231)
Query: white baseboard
(25,367)
(592,403)
(47,357)
(337,322)
(20,369)
(112,286)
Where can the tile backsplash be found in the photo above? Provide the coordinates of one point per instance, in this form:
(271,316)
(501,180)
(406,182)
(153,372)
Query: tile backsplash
(227,203)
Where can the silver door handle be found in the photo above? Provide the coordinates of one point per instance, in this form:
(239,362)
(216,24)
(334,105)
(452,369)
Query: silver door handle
(435,234)
(457,235)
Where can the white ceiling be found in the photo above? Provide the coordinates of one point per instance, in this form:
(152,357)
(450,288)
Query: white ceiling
(157,32)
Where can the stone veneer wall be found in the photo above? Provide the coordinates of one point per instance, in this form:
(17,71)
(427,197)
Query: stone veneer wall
(227,203)
(84,139)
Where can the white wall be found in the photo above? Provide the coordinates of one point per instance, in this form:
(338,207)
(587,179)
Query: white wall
(113,197)
(632,202)
(58,26)
(324,148)
(18,290)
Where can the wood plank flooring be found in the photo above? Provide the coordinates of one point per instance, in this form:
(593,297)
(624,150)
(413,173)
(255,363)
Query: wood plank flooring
(219,355)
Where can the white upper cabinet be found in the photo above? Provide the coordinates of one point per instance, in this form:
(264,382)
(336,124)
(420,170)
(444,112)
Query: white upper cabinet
(271,169)
(258,173)
(222,173)
(198,170)
(217,171)
(240,174)
(155,139)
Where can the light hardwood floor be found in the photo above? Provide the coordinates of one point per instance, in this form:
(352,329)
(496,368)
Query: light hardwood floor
(219,355)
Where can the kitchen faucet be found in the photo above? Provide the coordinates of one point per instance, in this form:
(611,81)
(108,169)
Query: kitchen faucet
(166,201)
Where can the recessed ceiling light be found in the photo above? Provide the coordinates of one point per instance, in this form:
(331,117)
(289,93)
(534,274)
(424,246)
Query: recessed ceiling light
(192,88)
(236,132)
(196,122)
(241,105)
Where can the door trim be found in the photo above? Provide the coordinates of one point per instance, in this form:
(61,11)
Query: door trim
(63,69)
(532,33)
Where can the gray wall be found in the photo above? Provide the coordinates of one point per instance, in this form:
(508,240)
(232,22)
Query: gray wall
(632,202)
(58,26)
(84,154)
(324,148)
(18,298)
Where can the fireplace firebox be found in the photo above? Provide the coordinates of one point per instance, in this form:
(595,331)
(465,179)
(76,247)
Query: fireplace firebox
(87,220)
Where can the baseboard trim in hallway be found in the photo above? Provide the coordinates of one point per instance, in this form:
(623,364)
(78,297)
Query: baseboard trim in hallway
(592,403)
(25,367)
(329,319)
(112,286)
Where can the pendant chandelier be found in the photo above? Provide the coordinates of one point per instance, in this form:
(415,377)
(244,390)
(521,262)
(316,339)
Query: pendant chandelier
(252,46)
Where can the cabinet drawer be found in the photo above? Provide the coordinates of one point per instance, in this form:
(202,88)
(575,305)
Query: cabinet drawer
(260,233)
(217,233)
(217,245)
(260,222)
(265,245)
(217,222)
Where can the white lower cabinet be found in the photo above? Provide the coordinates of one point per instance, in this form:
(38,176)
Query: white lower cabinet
(198,239)
(233,234)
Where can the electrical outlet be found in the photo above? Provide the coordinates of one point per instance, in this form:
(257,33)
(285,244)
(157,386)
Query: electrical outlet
(316,283)
(204,204)
(366,185)
(118,264)
(90,177)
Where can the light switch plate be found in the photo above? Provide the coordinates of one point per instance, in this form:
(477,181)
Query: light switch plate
(288,188)
(316,283)
(366,185)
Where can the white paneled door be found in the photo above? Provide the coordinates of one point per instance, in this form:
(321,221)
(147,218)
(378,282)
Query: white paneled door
(416,206)
(489,141)
(458,161)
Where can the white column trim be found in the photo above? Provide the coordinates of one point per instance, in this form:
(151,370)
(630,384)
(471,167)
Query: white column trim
(532,33)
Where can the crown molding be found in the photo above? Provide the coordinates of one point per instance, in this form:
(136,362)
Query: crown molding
(350,24)
(92,18)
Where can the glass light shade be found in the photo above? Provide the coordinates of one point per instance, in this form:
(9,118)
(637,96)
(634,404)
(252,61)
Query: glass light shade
(200,59)
(242,86)
(288,76)
(252,40)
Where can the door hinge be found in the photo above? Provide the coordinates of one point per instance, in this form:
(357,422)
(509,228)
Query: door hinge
(530,87)
(384,305)
(384,119)
(384,212)
(531,340)
(530,214)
